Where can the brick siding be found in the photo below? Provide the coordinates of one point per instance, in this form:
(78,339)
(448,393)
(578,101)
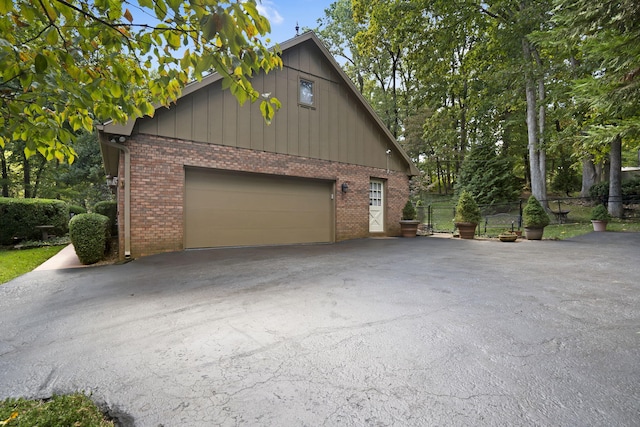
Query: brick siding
(158,188)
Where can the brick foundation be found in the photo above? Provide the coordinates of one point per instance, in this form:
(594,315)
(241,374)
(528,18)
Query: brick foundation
(158,179)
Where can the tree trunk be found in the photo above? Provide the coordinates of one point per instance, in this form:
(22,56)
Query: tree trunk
(534,155)
(26,176)
(589,176)
(537,156)
(394,71)
(439,174)
(542,152)
(39,171)
(5,174)
(615,178)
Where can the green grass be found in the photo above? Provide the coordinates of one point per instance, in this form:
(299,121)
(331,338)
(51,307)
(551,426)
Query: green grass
(70,410)
(578,220)
(566,231)
(14,263)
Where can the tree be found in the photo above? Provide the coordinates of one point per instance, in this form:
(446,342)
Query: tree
(69,63)
(488,176)
(338,30)
(607,35)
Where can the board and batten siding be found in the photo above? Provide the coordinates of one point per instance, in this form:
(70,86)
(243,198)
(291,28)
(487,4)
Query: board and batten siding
(338,128)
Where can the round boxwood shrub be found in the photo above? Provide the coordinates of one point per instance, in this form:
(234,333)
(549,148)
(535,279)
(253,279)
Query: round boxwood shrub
(89,234)
(110,210)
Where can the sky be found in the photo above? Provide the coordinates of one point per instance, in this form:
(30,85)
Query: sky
(284,14)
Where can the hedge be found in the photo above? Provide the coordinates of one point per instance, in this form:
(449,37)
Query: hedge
(630,191)
(20,217)
(76,209)
(89,234)
(110,210)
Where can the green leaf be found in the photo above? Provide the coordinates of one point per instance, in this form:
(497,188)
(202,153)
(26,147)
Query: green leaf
(116,90)
(6,6)
(40,63)
(267,111)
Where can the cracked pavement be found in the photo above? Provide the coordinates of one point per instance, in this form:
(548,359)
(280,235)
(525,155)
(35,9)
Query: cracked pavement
(376,332)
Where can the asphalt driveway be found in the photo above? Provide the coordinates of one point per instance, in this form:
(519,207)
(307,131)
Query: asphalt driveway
(379,332)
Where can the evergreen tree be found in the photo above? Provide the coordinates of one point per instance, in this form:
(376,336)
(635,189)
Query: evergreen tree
(488,176)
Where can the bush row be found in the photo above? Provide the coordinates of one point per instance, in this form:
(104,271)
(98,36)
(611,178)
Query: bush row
(630,190)
(20,217)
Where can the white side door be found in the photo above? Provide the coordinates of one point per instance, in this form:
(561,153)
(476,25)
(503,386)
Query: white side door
(376,206)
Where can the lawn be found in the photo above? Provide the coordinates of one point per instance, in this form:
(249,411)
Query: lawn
(71,410)
(577,223)
(14,263)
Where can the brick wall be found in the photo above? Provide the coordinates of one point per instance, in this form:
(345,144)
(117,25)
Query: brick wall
(158,178)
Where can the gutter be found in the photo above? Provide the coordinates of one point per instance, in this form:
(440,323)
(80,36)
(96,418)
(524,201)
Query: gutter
(127,188)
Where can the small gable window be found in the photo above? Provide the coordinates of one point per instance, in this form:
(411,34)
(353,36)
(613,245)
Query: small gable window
(306,92)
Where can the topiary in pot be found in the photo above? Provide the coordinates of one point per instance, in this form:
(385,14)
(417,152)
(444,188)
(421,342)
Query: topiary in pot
(408,223)
(467,215)
(535,219)
(408,212)
(599,218)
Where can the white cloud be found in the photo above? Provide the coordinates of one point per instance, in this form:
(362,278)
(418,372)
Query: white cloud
(268,9)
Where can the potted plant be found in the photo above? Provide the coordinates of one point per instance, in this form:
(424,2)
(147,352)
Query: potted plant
(467,215)
(508,236)
(408,223)
(535,219)
(599,218)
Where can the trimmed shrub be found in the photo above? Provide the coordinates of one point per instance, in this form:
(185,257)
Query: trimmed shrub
(110,210)
(20,217)
(89,234)
(408,212)
(534,214)
(600,213)
(76,209)
(467,209)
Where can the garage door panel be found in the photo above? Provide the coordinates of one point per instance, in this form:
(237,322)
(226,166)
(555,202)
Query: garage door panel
(225,209)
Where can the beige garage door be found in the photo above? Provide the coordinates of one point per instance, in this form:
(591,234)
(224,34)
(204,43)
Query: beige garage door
(233,209)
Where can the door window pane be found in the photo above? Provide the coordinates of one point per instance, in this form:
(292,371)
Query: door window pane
(375,194)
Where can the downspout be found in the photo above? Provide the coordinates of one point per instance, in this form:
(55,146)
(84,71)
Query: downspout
(127,190)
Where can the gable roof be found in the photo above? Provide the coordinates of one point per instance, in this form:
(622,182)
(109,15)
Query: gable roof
(127,128)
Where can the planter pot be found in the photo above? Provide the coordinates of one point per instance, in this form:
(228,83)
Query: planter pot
(409,228)
(467,229)
(533,233)
(599,225)
(508,237)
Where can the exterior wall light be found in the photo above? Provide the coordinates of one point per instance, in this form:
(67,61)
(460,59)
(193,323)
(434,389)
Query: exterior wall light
(112,181)
(344,187)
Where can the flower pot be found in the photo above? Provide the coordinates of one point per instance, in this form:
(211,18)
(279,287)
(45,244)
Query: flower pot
(533,233)
(467,229)
(409,228)
(599,225)
(508,237)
